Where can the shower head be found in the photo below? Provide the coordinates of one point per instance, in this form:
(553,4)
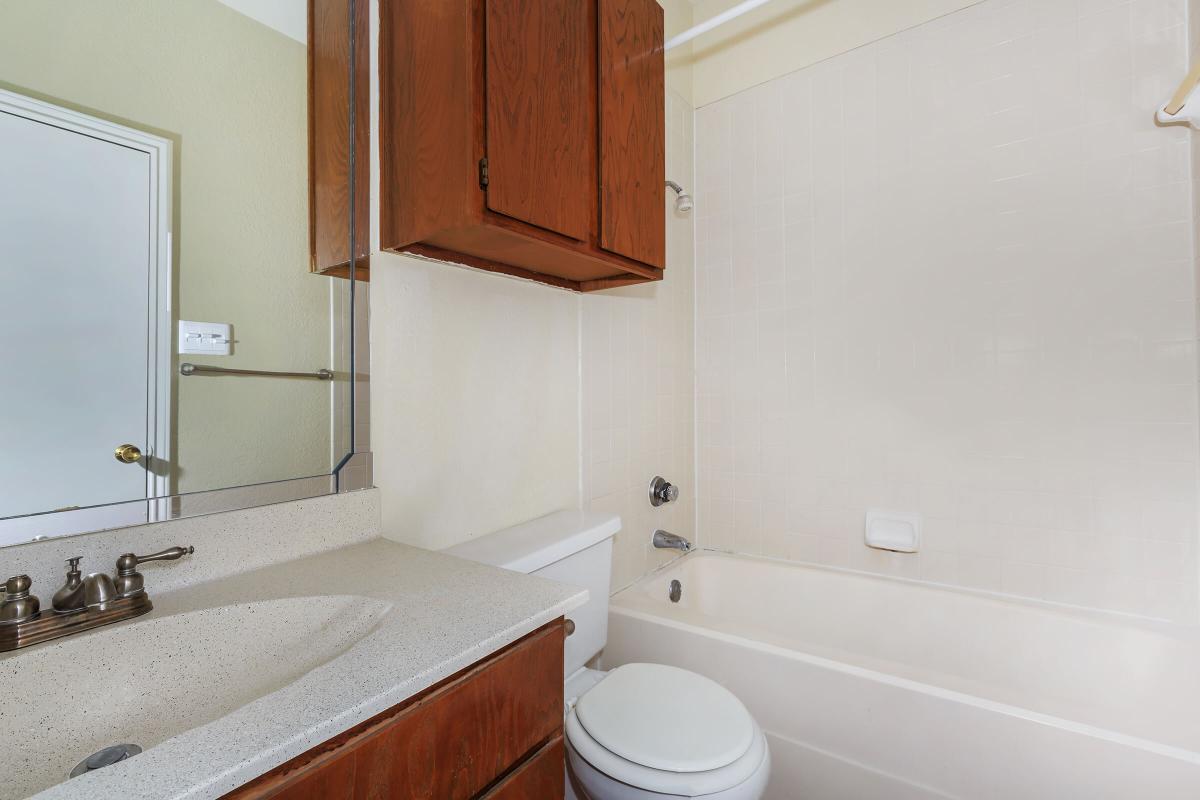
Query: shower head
(684,202)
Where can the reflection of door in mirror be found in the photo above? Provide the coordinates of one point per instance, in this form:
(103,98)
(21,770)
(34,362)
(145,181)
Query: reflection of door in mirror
(84,226)
(128,122)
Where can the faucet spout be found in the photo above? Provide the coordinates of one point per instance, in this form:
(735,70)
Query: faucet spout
(665,540)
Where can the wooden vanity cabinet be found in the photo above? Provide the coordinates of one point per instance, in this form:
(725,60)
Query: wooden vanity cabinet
(492,731)
(525,137)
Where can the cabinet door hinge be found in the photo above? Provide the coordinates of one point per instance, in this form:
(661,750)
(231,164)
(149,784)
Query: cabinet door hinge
(483,173)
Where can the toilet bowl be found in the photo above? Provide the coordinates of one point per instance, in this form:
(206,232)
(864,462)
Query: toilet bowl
(640,731)
(654,732)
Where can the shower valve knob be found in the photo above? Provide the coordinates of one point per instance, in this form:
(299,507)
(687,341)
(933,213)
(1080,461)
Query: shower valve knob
(662,491)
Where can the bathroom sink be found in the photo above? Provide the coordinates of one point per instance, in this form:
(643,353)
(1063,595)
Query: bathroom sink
(150,679)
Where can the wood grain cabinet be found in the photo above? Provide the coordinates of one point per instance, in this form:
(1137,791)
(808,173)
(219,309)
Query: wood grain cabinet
(493,731)
(525,137)
(332,207)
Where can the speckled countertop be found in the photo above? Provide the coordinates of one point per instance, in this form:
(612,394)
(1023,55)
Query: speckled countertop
(429,615)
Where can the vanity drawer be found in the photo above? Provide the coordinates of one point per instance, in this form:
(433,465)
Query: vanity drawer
(542,776)
(451,742)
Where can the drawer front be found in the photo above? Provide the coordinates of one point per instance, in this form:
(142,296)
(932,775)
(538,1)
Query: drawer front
(540,778)
(449,744)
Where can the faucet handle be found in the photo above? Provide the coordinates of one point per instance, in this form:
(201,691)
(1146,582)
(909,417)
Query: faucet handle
(662,491)
(129,581)
(127,563)
(19,605)
(17,587)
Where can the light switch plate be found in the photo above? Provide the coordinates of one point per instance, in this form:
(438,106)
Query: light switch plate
(205,338)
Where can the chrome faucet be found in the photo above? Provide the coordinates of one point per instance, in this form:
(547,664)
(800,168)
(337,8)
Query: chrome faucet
(81,604)
(665,540)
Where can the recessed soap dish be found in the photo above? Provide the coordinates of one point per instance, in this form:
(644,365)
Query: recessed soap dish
(897,531)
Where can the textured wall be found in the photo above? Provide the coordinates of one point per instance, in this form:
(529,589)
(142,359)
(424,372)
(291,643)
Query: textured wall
(951,273)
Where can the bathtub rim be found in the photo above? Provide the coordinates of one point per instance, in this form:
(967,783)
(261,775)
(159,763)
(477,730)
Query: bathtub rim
(1182,631)
(898,681)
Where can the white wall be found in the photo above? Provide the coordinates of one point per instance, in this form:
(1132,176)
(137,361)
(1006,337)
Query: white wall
(677,16)
(289,17)
(786,35)
(475,407)
(951,272)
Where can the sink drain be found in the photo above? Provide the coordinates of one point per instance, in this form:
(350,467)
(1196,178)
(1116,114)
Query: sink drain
(106,757)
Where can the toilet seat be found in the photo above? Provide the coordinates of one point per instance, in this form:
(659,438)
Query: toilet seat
(666,718)
(685,784)
(618,730)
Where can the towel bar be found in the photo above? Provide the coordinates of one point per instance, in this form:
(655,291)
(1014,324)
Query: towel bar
(192,369)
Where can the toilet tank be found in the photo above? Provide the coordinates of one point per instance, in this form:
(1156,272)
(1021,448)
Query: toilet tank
(567,546)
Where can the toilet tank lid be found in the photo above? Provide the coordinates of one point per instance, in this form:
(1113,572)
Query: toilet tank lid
(539,543)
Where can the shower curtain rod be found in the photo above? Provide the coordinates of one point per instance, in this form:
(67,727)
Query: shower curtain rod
(713,22)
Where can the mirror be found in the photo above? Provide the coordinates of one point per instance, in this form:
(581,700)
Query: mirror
(167,200)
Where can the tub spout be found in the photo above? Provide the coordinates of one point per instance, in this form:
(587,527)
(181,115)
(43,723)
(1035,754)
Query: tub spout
(668,541)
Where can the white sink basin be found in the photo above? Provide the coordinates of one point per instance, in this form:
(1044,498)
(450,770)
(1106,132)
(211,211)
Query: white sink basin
(151,679)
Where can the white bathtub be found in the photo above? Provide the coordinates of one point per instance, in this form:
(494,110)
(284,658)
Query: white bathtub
(871,687)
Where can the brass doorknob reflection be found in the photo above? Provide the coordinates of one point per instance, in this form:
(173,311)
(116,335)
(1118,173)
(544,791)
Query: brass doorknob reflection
(128,454)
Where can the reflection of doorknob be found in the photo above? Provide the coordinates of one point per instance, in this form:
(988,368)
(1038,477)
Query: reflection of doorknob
(128,453)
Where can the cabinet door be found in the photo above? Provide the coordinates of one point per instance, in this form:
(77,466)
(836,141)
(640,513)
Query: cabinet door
(632,133)
(540,110)
(329,139)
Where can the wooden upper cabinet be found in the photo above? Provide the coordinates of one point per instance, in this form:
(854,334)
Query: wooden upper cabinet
(330,109)
(632,130)
(540,165)
(525,137)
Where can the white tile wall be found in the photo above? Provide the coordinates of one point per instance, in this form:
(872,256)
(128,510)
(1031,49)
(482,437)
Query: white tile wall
(638,385)
(951,272)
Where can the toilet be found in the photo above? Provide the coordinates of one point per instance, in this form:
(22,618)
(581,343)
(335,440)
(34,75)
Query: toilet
(639,731)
